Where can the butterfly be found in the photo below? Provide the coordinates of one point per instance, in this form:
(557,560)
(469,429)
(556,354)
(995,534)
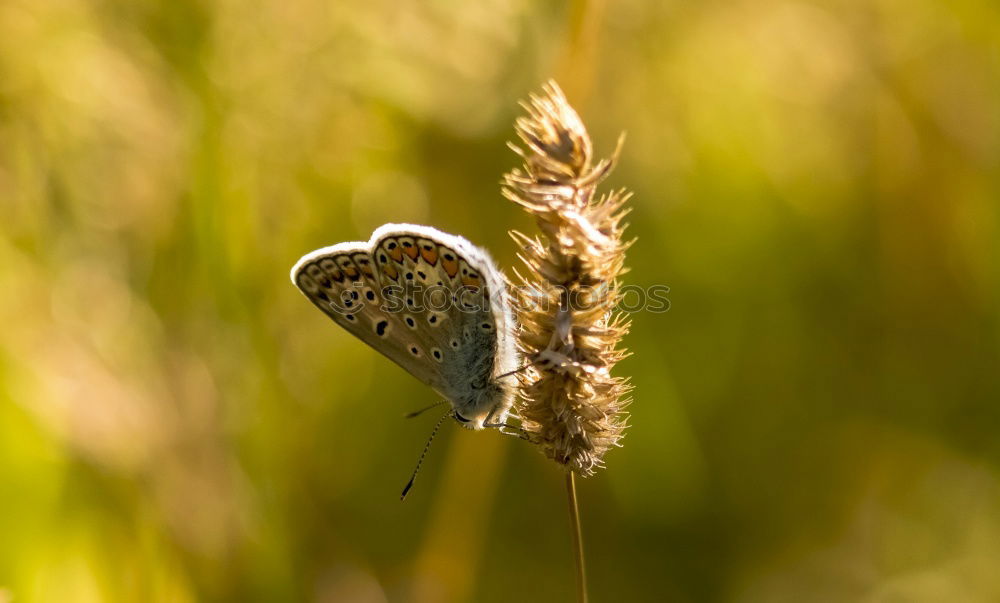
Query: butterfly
(433,303)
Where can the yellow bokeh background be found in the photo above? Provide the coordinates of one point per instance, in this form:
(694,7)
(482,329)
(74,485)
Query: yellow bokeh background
(817,417)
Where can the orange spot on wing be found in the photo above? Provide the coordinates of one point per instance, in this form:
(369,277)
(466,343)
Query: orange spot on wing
(349,270)
(450,266)
(429,255)
(364,263)
(411,251)
(396,253)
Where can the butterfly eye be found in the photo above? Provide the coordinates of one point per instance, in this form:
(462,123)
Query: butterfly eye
(479,383)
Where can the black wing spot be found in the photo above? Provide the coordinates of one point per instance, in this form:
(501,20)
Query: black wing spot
(421,275)
(370,295)
(454,343)
(382,258)
(391,245)
(486,326)
(349,317)
(432,319)
(409,276)
(410,322)
(449,257)
(437,353)
(407,244)
(381,327)
(414,350)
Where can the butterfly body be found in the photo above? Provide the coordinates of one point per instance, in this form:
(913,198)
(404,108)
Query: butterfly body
(431,302)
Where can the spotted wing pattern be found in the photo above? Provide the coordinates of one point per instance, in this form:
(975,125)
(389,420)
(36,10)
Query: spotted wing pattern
(431,302)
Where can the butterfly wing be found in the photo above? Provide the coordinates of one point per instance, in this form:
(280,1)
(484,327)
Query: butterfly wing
(431,302)
(457,299)
(342,282)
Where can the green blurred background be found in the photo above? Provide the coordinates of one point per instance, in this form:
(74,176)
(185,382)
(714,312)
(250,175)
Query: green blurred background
(816,418)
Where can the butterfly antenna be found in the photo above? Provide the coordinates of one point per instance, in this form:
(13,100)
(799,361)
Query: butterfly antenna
(417,413)
(420,461)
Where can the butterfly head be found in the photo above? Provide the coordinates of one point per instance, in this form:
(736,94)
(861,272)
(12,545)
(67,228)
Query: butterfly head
(487,406)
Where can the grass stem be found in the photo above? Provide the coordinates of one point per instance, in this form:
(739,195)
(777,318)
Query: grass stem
(574,519)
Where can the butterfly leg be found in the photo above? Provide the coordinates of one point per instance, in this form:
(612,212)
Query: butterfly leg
(549,356)
(562,363)
(518,370)
(518,430)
